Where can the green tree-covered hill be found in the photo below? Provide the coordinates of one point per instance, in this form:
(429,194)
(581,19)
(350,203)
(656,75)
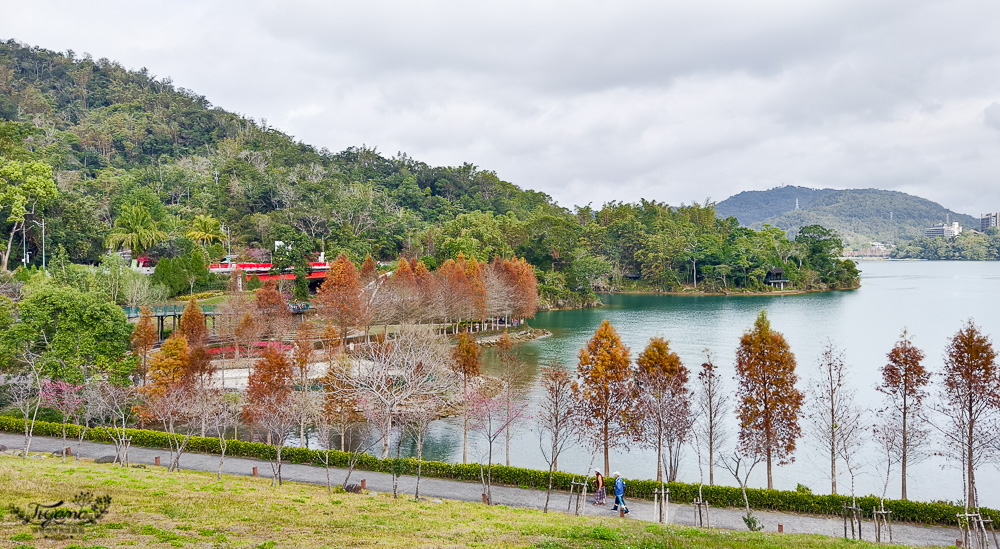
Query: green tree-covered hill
(860,216)
(755,207)
(139,164)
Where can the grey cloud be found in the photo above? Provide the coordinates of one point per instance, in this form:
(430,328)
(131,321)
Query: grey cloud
(991,116)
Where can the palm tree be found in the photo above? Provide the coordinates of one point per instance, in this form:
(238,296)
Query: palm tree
(205,229)
(135,229)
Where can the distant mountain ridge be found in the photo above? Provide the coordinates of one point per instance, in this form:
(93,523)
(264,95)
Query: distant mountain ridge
(860,216)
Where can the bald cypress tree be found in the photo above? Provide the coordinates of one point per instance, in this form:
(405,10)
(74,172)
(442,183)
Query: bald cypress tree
(769,404)
(904,384)
(606,391)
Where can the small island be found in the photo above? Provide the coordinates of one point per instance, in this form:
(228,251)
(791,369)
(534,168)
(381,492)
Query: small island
(656,248)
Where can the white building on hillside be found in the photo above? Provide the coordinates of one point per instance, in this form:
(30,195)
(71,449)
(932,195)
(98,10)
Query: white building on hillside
(943,230)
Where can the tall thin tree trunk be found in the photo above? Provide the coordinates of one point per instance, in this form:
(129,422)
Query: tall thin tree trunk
(833,466)
(222,456)
(770,482)
(833,445)
(905,449)
(507,435)
(420,459)
(489,476)
(659,451)
(711,457)
(555,455)
(326,462)
(64,440)
(395,470)
(385,440)
(548,492)
(607,466)
(970,501)
(465,419)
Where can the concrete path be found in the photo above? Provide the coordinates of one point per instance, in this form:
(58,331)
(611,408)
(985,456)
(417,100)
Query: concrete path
(515,497)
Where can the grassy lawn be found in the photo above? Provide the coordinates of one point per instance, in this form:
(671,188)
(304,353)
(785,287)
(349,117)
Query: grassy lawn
(151,508)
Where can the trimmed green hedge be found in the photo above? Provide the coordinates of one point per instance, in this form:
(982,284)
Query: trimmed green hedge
(717,496)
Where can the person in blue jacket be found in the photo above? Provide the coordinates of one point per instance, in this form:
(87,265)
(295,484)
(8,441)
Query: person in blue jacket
(619,493)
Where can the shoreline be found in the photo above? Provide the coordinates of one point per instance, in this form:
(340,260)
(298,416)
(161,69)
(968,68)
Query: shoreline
(699,293)
(527,334)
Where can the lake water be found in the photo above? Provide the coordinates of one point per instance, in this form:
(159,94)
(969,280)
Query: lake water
(930,299)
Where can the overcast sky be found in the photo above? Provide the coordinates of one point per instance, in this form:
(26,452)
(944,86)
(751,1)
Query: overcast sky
(593,101)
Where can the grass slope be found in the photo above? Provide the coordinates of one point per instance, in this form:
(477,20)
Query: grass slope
(151,508)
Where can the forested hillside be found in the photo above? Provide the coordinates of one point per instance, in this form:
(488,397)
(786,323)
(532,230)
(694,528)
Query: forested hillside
(860,216)
(965,247)
(140,165)
(752,208)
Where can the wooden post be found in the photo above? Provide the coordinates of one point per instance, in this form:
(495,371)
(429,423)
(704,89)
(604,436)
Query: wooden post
(156,460)
(581,494)
(665,503)
(364,484)
(254,471)
(781,528)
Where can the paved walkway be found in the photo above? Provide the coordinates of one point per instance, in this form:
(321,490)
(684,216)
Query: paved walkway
(515,497)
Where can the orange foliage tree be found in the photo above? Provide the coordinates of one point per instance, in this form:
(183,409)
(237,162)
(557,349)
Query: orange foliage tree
(192,323)
(303,349)
(169,366)
(769,403)
(525,288)
(369,271)
(168,397)
(452,291)
(169,382)
(339,296)
(143,339)
(406,297)
(606,391)
(273,310)
(269,404)
(904,383)
(466,365)
(665,403)
(970,403)
(477,290)
(269,384)
(425,286)
(194,328)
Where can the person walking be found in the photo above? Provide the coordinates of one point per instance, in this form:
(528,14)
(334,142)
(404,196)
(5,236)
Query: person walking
(600,493)
(620,493)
